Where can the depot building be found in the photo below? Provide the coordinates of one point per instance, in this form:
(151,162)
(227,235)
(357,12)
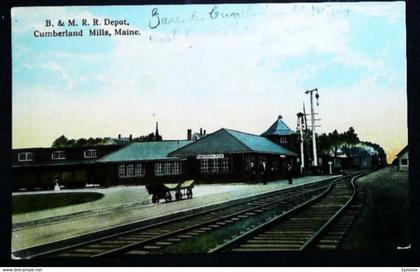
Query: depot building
(234,155)
(224,155)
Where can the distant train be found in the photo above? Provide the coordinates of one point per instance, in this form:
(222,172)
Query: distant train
(346,163)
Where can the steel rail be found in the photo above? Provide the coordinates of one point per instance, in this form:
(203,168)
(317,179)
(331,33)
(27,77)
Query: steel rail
(336,215)
(249,233)
(201,224)
(25,253)
(278,193)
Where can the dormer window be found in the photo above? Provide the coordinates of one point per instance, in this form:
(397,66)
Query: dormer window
(90,153)
(283,140)
(25,156)
(58,155)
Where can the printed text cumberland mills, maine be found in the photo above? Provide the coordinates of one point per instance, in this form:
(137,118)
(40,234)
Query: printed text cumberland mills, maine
(101,28)
(108,27)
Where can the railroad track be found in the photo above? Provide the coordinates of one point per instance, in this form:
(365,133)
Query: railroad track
(336,231)
(319,223)
(155,238)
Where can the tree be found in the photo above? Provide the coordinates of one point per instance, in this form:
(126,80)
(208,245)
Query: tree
(148,138)
(350,144)
(99,141)
(81,142)
(323,144)
(335,142)
(330,143)
(91,141)
(60,142)
(71,143)
(350,139)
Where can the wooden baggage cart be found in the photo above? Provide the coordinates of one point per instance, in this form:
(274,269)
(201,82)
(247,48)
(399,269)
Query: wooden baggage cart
(163,190)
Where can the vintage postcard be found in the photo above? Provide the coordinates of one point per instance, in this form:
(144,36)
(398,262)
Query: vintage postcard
(178,129)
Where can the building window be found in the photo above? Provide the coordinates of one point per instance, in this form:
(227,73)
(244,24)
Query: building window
(226,165)
(130,170)
(204,166)
(214,165)
(176,169)
(283,140)
(404,162)
(25,156)
(90,153)
(158,169)
(139,170)
(167,168)
(122,172)
(58,155)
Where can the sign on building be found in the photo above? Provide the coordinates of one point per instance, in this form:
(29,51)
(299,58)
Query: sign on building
(210,156)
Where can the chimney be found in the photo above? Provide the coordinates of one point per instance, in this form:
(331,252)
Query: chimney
(280,117)
(119,136)
(131,138)
(201,131)
(189,134)
(204,132)
(157,131)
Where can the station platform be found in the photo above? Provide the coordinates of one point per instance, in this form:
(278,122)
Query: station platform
(125,205)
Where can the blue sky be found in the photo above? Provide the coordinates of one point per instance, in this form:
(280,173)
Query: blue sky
(236,67)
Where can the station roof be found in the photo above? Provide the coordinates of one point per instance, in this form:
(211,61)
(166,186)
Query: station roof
(227,141)
(52,163)
(145,151)
(278,128)
(402,151)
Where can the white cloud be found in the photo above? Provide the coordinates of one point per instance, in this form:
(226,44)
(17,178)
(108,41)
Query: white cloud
(219,80)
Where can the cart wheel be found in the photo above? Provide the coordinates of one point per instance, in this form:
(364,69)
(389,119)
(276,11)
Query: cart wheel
(155,199)
(168,197)
(189,193)
(178,195)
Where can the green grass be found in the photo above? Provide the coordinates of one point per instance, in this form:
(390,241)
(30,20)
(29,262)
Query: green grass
(37,202)
(384,220)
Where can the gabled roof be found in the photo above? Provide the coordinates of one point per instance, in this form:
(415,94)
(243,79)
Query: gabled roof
(402,151)
(278,128)
(227,141)
(145,151)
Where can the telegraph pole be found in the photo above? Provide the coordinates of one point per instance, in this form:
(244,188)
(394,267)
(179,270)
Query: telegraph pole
(302,157)
(315,160)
